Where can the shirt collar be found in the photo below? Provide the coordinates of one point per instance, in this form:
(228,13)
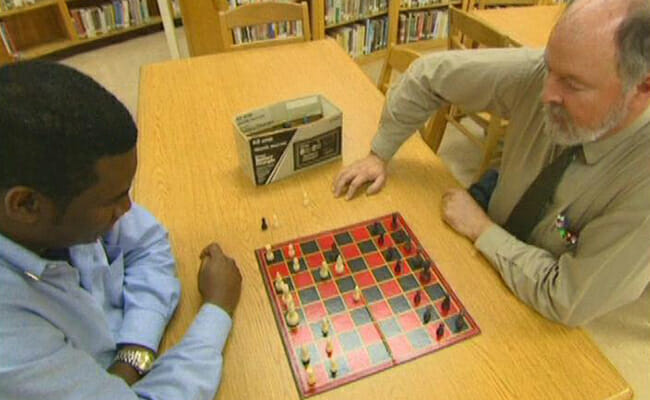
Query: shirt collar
(25,260)
(595,151)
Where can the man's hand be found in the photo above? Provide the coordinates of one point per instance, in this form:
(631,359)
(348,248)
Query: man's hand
(463,214)
(219,279)
(368,169)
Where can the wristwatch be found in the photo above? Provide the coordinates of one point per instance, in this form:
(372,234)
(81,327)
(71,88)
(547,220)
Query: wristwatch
(140,359)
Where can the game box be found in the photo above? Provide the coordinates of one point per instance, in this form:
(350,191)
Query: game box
(279,140)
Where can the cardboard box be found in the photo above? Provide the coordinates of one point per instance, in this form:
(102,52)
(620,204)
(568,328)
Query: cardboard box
(276,141)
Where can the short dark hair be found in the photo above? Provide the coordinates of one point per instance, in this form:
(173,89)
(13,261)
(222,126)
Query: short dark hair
(633,45)
(55,124)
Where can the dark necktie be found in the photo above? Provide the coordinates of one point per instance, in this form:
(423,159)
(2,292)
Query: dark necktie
(532,204)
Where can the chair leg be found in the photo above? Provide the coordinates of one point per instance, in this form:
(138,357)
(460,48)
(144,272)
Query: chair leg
(435,129)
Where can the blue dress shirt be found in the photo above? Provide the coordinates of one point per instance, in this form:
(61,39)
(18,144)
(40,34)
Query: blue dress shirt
(60,321)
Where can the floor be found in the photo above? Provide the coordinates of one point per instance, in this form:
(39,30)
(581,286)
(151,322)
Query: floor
(623,335)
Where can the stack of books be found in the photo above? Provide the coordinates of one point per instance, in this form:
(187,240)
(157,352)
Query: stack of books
(99,20)
(361,39)
(422,25)
(340,11)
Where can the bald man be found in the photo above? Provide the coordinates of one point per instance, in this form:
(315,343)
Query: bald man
(587,251)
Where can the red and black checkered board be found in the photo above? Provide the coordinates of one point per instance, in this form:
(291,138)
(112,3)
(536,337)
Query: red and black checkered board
(383,329)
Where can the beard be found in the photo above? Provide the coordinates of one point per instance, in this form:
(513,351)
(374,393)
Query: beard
(561,129)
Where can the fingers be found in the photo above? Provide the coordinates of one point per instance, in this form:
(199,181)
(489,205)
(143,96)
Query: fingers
(211,250)
(355,184)
(376,185)
(342,181)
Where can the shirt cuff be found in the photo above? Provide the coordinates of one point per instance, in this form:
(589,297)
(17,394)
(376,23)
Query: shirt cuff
(142,327)
(383,147)
(212,325)
(491,240)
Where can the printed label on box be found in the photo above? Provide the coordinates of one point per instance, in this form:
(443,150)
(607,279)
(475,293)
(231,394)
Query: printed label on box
(317,149)
(267,152)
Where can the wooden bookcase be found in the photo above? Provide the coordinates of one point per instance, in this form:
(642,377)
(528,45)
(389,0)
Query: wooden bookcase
(47,27)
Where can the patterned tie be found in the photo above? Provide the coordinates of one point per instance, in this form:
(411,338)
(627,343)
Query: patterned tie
(532,204)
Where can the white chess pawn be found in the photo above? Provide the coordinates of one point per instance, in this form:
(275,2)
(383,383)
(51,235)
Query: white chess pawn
(357,293)
(278,283)
(339,267)
(324,271)
(269,253)
(292,316)
(291,251)
(296,264)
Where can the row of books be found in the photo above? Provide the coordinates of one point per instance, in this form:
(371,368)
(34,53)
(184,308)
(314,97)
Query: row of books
(339,11)
(6,5)
(420,3)
(422,25)
(92,21)
(360,39)
(274,30)
(236,3)
(7,40)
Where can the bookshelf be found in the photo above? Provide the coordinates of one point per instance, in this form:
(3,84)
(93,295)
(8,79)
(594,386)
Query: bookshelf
(420,25)
(36,28)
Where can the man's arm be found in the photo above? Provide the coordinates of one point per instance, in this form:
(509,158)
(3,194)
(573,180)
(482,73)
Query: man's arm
(607,270)
(482,80)
(151,289)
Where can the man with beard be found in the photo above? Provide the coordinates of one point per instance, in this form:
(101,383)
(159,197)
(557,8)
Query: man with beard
(568,223)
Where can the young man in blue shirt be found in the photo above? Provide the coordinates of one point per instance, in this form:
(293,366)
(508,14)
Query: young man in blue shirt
(87,279)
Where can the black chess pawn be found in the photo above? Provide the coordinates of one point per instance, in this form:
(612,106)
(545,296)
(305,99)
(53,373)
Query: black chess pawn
(426,317)
(459,324)
(446,304)
(440,331)
(389,254)
(264,225)
(381,239)
(394,221)
(398,267)
(417,298)
(408,246)
(375,228)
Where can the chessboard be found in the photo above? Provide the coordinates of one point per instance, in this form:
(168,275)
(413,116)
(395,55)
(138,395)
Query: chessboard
(357,300)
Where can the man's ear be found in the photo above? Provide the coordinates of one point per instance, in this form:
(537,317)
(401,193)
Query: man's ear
(644,86)
(24,204)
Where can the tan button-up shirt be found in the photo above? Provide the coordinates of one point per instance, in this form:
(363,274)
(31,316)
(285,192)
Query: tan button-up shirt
(604,193)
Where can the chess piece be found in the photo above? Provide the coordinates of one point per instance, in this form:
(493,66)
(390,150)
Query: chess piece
(264,225)
(339,267)
(278,283)
(311,377)
(408,245)
(291,251)
(292,317)
(276,223)
(394,221)
(325,327)
(357,294)
(324,271)
(269,253)
(334,367)
(446,304)
(380,241)
(459,324)
(426,317)
(296,264)
(417,298)
(329,348)
(304,355)
(286,296)
(440,331)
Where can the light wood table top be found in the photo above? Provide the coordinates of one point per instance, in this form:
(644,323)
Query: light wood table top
(528,26)
(190,179)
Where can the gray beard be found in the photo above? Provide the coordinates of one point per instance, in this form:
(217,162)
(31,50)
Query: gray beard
(561,129)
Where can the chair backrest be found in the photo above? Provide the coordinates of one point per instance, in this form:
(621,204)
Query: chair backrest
(231,23)
(398,59)
(468,32)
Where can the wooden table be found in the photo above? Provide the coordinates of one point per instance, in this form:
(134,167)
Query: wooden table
(526,26)
(190,179)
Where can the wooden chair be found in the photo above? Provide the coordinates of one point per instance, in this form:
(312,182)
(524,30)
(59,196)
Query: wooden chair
(399,59)
(254,14)
(468,5)
(467,32)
